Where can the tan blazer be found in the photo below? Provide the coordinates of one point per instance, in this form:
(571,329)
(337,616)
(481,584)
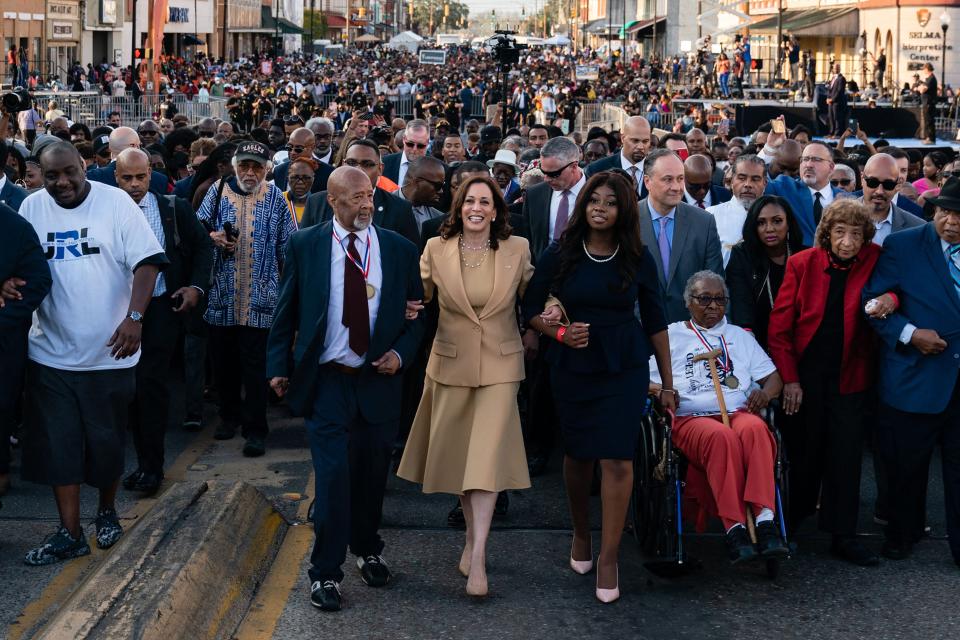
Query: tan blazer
(471,350)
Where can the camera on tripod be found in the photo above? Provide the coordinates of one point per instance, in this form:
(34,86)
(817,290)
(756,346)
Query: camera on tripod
(16,101)
(504,47)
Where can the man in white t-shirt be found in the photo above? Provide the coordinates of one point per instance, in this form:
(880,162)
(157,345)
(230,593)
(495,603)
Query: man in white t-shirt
(84,344)
(737,460)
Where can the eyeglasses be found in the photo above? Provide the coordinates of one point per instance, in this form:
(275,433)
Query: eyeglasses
(814,159)
(845,182)
(437,186)
(706,301)
(410,144)
(698,186)
(558,172)
(363,164)
(873,183)
(148,132)
(299,178)
(294,149)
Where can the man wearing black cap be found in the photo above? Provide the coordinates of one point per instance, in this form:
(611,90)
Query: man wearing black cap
(101,150)
(249,224)
(490,139)
(919,366)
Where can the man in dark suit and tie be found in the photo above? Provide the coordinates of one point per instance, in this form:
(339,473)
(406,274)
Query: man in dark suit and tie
(698,178)
(301,145)
(837,99)
(10,194)
(919,365)
(547,207)
(683,239)
(635,141)
(416,139)
(389,211)
(343,311)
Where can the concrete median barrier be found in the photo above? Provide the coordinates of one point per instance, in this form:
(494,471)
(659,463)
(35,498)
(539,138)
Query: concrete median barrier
(188,570)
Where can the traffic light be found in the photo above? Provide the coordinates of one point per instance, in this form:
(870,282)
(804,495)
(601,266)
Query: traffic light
(138,54)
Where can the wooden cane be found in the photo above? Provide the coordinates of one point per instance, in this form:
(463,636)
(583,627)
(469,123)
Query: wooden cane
(711,359)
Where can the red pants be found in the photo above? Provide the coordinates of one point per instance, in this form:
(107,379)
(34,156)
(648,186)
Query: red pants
(737,462)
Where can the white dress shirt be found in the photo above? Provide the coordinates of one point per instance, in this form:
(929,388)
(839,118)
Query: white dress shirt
(826,195)
(707,200)
(625,164)
(571,200)
(404,165)
(730,216)
(336,345)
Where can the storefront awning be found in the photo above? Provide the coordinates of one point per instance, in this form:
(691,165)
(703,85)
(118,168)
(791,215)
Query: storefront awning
(639,26)
(336,21)
(281,25)
(817,22)
(602,27)
(192,40)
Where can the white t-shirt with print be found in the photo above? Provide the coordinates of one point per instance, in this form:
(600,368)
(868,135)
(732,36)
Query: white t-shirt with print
(692,379)
(92,251)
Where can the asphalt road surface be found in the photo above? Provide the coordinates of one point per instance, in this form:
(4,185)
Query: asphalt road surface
(533,592)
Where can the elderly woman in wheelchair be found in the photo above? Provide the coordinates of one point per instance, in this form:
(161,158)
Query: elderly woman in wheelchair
(723,379)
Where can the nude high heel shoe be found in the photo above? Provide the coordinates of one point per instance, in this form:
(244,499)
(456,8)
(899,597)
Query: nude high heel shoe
(582,567)
(607,596)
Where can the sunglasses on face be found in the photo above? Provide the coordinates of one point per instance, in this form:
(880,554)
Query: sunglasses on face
(410,144)
(706,301)
(437,186)
(294,149)
(844,182)
(695,186)
(558,172)
(873,183)
(148,132)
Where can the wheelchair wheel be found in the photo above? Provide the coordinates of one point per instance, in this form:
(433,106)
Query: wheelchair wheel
(643,482)
(654,504)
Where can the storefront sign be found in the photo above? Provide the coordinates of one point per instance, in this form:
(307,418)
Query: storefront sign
(62,31)
(179,14)
(108,11)
(57,10)
(922,42)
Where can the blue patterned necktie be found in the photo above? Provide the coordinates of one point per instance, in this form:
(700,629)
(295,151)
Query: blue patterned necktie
(953,261)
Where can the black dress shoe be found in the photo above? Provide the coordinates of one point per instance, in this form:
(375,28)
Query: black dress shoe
(850,549)
(254,447)
(502,506)
(132,479)
(148,483)
(739,547)
(455,518)
(374,571)
(536,464)
(893,550)
(326,595)
(769,542)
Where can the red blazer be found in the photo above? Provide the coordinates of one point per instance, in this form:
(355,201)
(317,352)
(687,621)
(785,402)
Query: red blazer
(799,308)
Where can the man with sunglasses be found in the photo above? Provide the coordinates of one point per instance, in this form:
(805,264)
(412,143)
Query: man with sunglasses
(149,132)
(699,189)
(881,180)
(547,206)
(844,177)
(301,145)
(423,189)
(416,139)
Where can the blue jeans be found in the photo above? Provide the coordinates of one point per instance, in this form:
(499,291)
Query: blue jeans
(725,84)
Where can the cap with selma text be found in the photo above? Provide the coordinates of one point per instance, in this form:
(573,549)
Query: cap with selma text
(101,144)
(252,150)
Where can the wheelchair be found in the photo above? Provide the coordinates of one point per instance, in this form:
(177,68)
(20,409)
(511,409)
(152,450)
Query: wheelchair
(656,510)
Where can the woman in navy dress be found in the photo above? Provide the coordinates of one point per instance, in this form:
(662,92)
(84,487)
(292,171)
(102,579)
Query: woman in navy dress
(599,272)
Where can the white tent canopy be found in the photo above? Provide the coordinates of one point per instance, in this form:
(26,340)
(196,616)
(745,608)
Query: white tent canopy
(558,40)
(407,40)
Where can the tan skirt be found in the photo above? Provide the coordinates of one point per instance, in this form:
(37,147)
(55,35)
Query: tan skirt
(466,438)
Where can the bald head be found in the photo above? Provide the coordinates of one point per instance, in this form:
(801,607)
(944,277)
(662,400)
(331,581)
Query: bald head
(344,178)
(132,157)
(635,139)
(123,138)
(59,125)
(301,143)
(880,167)
(350,196)
(133,173)
(697,173)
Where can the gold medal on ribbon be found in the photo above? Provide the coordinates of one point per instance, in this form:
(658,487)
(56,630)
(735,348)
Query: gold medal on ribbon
(371,291)
(731,382)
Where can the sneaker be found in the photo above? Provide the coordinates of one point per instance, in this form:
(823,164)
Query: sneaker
(225,430)
(374,571)
(769,542)
(108,528)
(58,546)
(192,425)
(254,447)
(326,595)
(739,547)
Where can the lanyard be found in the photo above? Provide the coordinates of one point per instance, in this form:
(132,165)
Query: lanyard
(365,267)
(723,360)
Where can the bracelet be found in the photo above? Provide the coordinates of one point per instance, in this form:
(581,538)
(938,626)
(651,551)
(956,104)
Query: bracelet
(896,300)
(561,331)
(662,389)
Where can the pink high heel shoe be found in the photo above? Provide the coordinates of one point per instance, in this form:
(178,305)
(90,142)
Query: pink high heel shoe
(582,567)
(607,596)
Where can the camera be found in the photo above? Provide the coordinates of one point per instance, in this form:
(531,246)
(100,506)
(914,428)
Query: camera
(504,48)
(17,100)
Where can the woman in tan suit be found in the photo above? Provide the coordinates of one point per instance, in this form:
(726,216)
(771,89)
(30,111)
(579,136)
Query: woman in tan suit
(466,438)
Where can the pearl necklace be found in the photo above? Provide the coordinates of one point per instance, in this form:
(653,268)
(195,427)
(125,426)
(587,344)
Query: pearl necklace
(600,260)
(463,256)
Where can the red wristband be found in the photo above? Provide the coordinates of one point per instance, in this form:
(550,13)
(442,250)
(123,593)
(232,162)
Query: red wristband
(560,333)
(896,300)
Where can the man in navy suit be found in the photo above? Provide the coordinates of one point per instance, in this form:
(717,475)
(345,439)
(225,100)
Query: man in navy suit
(919,365)
(301,145)
(10,194)
(343,311)
(812,192)
(837,99)
(699,189)
(389,211)
(125,138)
(416,138)
(635,141)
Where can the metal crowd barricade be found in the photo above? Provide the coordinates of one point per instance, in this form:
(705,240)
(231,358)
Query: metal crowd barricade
(93,108)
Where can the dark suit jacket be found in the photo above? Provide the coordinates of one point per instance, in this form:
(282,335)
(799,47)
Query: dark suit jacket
(536,218)
(319,177)
(389,212)
(391,166)
(837,91)
(12,195)
(187,245)
(108,175)
(181,188)
(912,265)
(300,320)
(610,162)
(21,256)
(696,247)
(901,219)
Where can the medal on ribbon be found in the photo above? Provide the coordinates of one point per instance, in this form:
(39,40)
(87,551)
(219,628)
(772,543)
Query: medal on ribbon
(724,362)
(364,266)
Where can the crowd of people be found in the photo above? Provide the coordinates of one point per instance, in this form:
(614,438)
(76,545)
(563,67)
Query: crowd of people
(401,283)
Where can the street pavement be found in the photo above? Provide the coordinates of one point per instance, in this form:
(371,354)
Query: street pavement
(533,592)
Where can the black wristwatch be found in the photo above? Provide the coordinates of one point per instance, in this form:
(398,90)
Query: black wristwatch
(136,316)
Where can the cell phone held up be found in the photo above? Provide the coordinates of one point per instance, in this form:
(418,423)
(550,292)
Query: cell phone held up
(778,126)
(231,233)
(853,125)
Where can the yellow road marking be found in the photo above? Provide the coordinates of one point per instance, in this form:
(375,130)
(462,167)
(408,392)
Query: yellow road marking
(75,572)
(272,596)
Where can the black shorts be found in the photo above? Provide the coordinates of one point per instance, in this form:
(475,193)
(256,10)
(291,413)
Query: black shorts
(75,422)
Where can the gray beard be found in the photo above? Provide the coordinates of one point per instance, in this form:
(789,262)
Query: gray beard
(243,187)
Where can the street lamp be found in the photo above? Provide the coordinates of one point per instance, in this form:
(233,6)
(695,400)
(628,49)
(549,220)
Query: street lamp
(944,25)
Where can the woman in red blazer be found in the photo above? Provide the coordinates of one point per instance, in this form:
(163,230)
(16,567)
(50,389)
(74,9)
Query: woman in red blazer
(823,348)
